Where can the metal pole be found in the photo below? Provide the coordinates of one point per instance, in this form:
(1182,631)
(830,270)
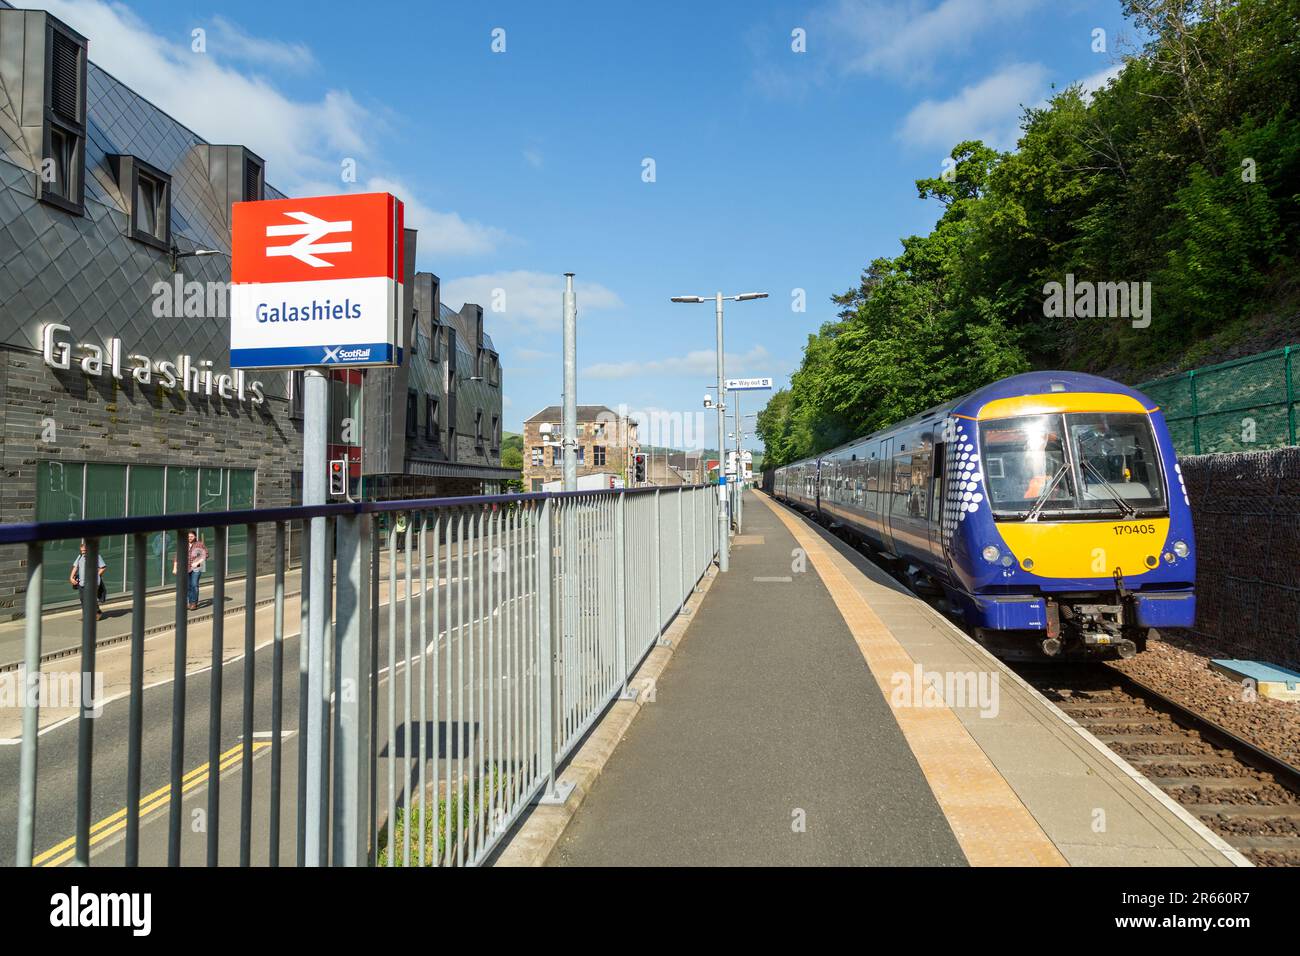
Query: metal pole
(315,421)
(352,711)
(31,702)
(620,594)
(569,444)
(723,519)
(740,467)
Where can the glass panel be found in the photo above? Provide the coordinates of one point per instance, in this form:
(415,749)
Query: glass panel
(1021,458)
(241,497)
(213,496)
(1117,459)
(182,497)
(58,498)
(145,497)
(106,498)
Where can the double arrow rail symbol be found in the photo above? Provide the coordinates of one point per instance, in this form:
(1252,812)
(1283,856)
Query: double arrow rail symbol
(308,249)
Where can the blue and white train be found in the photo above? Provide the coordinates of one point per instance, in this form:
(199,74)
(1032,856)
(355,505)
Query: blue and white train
(1048,509)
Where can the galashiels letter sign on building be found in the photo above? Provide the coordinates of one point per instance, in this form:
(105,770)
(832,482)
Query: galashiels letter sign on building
(317,282)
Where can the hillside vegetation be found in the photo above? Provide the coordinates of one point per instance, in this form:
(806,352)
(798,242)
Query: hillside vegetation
(1182,172)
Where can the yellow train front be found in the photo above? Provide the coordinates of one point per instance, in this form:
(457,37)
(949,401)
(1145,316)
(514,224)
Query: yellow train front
(1048,509)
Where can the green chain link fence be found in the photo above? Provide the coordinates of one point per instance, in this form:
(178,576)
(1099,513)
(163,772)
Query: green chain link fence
(1248,404)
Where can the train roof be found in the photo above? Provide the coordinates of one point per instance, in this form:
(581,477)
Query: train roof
(1026,383)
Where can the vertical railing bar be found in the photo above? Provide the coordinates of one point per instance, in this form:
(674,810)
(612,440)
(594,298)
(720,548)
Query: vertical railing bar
(392,691)
(277,695)
(421,755)
(216,686)
(250,678)
(376,547)
(304,576)
(407,666)
(31,702)
(492,676)
(460,692)
(89,581)
(436,736)
(174,809)
(329,688)
(451,730)
(135,717)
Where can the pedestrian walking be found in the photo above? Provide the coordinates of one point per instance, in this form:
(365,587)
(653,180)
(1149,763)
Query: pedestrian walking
(196,559)
(78,576)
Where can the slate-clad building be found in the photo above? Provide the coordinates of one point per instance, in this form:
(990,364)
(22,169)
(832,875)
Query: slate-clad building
(116,395)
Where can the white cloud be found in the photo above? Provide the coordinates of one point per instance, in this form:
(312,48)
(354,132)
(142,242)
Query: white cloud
(1099,80)
(304,141)
(529,299)
(988,110)
(231,41)
(441,233)
(533,157)
(699,362)
(532,355)
(905,38)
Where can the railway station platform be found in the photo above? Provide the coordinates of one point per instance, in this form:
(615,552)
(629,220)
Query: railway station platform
(816,712)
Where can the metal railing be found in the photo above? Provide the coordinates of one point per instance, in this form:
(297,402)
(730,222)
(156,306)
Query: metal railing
(469,648)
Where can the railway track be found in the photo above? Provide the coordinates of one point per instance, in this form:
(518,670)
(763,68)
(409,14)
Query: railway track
(1247,796)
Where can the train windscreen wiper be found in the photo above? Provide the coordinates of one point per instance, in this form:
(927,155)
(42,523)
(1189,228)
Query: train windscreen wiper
(1128,509)
(1037,509)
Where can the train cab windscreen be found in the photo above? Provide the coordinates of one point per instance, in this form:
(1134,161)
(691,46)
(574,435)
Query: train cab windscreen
(1073,465)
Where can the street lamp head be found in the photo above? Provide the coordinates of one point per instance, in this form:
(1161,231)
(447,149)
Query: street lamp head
(746,296)
(686,298)
(708,400)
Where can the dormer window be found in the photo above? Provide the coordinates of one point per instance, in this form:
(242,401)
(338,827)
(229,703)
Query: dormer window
(146,191)
(62,170)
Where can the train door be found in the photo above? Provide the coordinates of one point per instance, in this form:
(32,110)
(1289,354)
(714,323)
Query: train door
(886,497)
(938,464)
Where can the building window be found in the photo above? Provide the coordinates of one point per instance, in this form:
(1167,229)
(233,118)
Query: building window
(146,193)
(412,413)
(478,429)
(151,207)
(598,455)
(496,433)
(295,394)
(556,458)
(582,455)
(431,418)
(539,456)
(62,180)
(254,182)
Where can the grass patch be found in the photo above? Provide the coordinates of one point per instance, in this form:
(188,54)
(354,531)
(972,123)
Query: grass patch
(436,832)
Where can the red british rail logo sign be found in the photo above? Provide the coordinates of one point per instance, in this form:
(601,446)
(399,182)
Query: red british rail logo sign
(316,281)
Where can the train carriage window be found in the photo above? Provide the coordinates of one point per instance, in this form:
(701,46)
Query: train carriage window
(902,485)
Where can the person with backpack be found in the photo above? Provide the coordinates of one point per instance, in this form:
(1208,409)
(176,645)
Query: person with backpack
(78,577)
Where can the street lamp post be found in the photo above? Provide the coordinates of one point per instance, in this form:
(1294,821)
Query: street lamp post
(724,520)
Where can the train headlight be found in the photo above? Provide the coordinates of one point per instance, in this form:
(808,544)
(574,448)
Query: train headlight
(1181,549)
(991,554)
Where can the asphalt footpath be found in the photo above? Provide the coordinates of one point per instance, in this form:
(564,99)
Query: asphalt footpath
(768,742)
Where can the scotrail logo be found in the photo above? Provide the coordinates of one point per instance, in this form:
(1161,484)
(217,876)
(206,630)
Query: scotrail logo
(308,249)
(340,354)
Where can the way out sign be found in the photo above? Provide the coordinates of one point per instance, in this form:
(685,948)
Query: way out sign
(317,281)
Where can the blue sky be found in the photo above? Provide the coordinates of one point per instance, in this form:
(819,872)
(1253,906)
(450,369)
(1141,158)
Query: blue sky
(774,170)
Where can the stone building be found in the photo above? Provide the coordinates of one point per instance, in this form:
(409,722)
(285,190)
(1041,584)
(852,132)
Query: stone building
(116,396)
(606,444)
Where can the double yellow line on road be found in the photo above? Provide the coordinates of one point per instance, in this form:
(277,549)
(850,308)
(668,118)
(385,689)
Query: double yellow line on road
(101,831)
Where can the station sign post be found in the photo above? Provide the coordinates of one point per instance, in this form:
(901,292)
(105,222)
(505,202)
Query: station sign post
(317,283)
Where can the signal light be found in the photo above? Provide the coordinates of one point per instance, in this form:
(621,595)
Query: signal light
(639,466)
(338,477)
